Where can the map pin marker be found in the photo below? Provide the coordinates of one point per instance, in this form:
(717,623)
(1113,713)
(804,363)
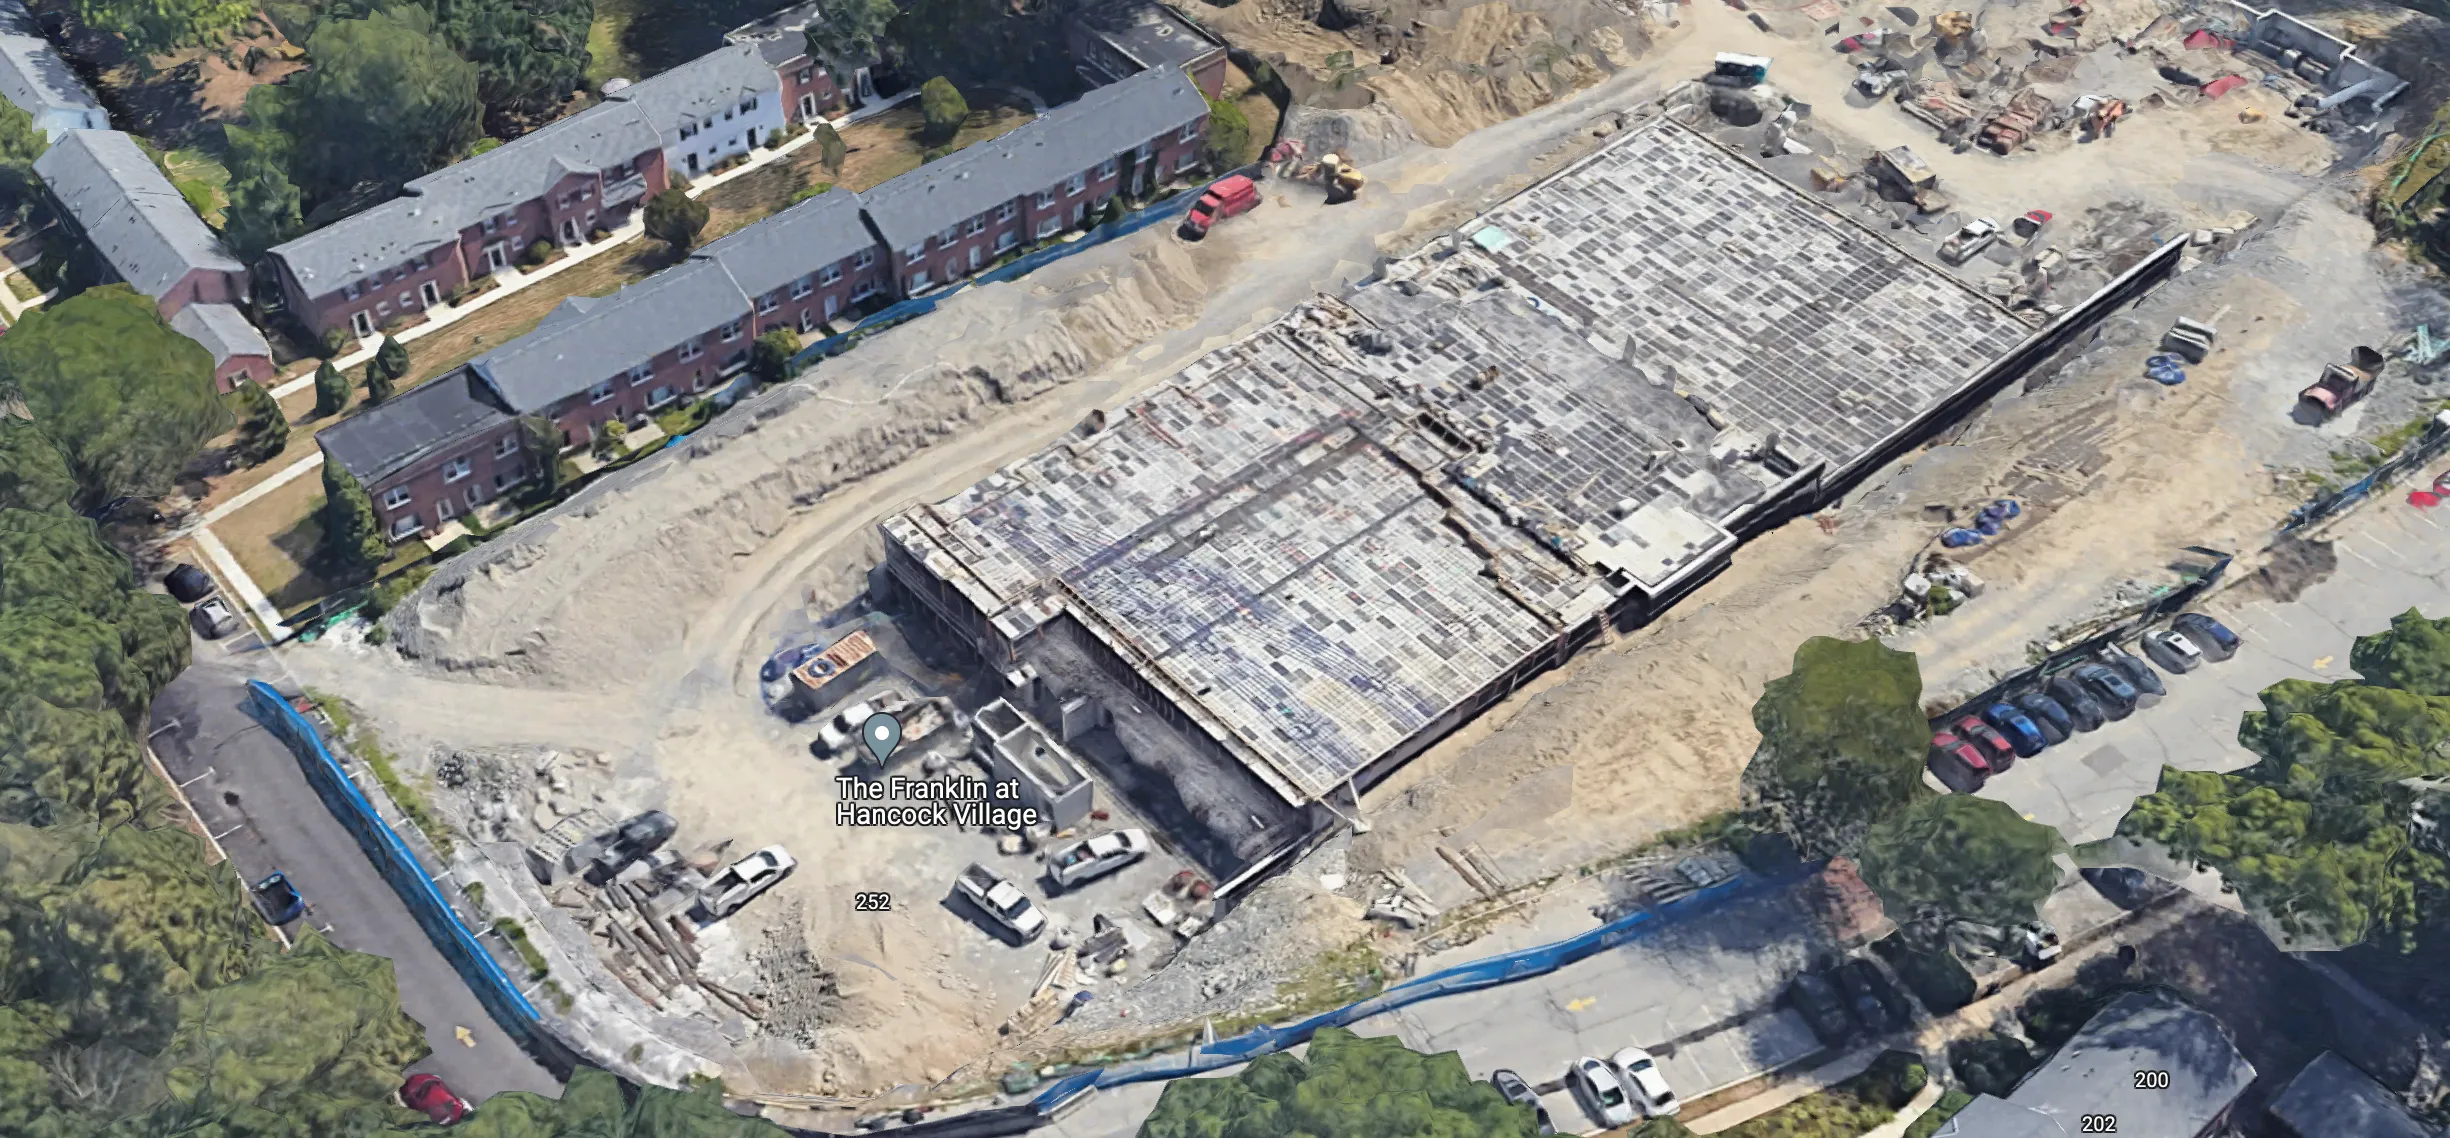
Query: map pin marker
(882,733)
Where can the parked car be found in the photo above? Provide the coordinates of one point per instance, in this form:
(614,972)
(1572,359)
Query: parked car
(780,664)
(1002,902)
(188,584)
(2083,708)
(279,899)
(1965,243)
(1597,1088)
(1864,988)
(2210,636)
(428,1094)
(213,619)
(1994,745)
(2053,719)
(2018,727)
(1229,196)
(2172,651)
(745,879)
(839,732)
(1089,858)
(1817,999)
(1641,1075)
(1958,763)
(1520,1093)
(1861,973)
(2146,681)
(2110,687)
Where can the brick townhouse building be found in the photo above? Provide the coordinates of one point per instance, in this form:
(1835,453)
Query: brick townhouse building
(811,87)
(141,231)
(447,447)
(386,265)
(955,216)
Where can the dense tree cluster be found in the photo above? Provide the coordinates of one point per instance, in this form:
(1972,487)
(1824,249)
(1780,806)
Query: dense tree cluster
(1839,769)
(2331,836)
(152,27)
(1348,1087)
(127,401)
(597,1105)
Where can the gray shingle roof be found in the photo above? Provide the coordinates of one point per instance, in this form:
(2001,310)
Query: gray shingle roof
(444,414)
(2094,1073)
(703,88)
(566,356)
(2331,1098)
(129,210)
(37,78)
(792,244)
(432,210)
(221,330)
(1067,140)
(1151,33)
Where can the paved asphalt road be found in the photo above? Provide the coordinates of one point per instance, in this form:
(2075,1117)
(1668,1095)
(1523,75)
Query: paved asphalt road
(1701,995)
(249,791)
(2391,556)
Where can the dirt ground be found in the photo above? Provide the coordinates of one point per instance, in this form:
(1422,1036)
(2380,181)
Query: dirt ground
(632,619)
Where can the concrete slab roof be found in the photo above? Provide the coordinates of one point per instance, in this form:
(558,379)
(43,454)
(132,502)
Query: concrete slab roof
(1331,537)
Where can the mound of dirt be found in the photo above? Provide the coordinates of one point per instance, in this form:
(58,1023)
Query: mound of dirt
(627,569)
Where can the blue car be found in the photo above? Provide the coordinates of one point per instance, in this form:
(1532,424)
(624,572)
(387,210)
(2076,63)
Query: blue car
(781,663)
(279,899)
(2018,727)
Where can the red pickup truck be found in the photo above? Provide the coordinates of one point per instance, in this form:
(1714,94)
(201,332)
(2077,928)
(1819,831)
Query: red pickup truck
(1228,197)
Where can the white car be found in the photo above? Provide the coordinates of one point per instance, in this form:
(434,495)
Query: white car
(1600,1091)
(1964,244)
(1002,902)
(843,729)
(2175,653)
(745,879)
(1640,1074)
(1095,857)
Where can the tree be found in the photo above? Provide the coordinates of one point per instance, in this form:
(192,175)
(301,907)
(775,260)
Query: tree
(943,27)
(598,1105)
(541,441)
(831,152)
(153,27)
(1842,742)
(2316,837)
(770,356)
(851,34)
(378,382)
(1957,856)
(2414,656)
(20,145)
(1348,1087)
(529,54)
(33,476)
(941,105)
(393,355)
(332,390)
(676,219)
(127,401)
(386,101)
(265,207)
(353,541)
(264,431)
(1228,141)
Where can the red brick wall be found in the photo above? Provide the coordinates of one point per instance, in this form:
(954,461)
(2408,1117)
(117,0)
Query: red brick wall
(427,487)
(580,414)
(237,368)
(807,312)
(204,286)
(1208,74)
(820,83)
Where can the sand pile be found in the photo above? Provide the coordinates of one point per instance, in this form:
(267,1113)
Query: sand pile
(624,570)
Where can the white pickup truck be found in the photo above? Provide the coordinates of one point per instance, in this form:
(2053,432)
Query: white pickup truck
(1002,902)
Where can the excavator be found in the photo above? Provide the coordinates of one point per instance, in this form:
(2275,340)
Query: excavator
(1342,179)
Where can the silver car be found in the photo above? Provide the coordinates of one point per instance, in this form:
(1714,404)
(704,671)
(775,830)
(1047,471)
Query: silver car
(1089,858)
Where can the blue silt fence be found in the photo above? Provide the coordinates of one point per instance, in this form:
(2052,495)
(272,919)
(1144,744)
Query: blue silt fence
(1471,977)
(399,867)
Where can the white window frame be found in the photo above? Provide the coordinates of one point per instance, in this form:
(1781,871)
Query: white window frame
(770,301)
(641,374)
(918,279)
(405,525)
(430,293)
(362,323)
(457,469)
(506,446)
(1184,163)
(805,285)
(691,348)
(601,392)
(443,509)
(915,252)
(659,397)
(1075,184)
(1189,131)
(827,275)
(731,331)
(397,497)
(1050,227)
(951,234)
(1105,169)
(863,259)
(1007,240)
(1044,198)
(833,305)
(974,226)
(1005,211)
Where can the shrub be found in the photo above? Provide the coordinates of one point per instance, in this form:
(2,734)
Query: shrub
(807,192)
(1990,1064)
(536,254)
(941,104)
(608,436)
(1934,974)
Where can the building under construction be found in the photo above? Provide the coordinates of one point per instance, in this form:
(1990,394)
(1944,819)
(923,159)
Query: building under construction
(1297,563)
